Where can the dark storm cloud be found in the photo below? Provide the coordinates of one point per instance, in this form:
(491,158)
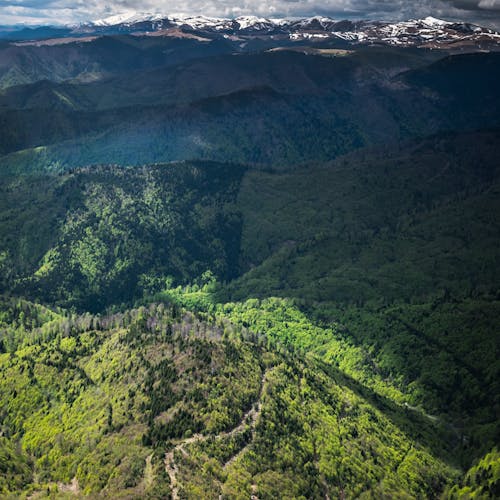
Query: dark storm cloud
(478,5)
(64,11)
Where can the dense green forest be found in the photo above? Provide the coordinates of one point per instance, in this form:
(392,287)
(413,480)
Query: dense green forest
(99,400)
(266,108)
(308,309)
(345,327)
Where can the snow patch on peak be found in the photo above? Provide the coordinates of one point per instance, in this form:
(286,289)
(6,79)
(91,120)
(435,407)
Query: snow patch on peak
(197,22)
(127,17)
(433,21)
(321,20)
(249,21)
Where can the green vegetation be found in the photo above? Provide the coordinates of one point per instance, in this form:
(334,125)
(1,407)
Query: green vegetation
(91,397)
(481,481)
(95,402)
(275,109)
(106,233)
(448,387)
(317,266)
(324,329)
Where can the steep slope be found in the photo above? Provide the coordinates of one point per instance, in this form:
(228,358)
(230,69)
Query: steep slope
(98,236)
(415,210)
(379,250)
(95,404)
(258,326)
(88,59)
(87,404)
(482,480)
(296,107)
(339,221)
(412,263)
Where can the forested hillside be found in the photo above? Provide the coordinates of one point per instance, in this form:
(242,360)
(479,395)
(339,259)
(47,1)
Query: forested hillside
(96,402)
(307,108)
(248,273)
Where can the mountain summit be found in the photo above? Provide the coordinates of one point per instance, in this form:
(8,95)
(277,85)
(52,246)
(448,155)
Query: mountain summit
(429,32)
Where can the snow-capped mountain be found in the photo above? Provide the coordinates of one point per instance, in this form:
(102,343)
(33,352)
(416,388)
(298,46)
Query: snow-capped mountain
(131,18)
(128,17)
(428,32)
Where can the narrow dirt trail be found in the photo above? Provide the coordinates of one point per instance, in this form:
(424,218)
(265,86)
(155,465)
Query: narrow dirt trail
(72,487)
(148,473)
(416,409)
(248,419)
(433,418)
(171,466)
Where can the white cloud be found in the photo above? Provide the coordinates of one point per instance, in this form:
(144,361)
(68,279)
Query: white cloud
(67,11)
(490,4)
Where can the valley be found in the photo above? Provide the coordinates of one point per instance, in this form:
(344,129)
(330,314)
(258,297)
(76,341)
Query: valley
(249,258)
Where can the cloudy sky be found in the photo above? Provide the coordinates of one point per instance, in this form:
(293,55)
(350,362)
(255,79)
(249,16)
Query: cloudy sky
(485,12)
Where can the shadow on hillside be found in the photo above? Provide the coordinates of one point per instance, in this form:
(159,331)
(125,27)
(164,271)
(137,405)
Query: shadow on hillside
(439,437)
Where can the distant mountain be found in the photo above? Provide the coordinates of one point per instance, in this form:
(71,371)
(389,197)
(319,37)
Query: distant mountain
(86,59)
(295,107)
(429,32)
(33,33)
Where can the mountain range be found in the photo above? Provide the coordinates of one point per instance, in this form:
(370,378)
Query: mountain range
(249,258)
(429,32)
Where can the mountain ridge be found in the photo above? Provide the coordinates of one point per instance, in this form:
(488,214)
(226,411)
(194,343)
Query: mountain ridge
(260,260)
(427,32)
